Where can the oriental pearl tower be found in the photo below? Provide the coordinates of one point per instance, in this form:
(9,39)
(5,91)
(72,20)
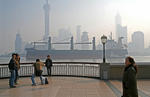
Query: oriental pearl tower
(46,12)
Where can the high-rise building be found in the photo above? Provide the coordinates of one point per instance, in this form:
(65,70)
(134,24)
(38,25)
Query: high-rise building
(64,35)
(85,39)
(78,31)
(46,10)
(78,36)
(121,31)
(18,43)
(124,35)
(118,25)
(138,41)
(118,19)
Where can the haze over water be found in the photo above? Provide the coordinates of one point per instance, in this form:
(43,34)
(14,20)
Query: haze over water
(96,17)
(117,60)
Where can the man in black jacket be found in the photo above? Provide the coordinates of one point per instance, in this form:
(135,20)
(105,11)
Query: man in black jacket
(48,64)
(12,67)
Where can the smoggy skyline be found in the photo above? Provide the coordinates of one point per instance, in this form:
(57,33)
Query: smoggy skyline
(95,16)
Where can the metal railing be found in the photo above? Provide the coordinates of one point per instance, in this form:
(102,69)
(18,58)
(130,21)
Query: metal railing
(82,69)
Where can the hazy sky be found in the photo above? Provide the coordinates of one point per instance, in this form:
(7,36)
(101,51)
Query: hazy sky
(95,16)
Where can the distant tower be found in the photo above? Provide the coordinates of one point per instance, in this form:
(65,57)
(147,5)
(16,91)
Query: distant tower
(18,43)
(46,10)
(121,31)
(78,36)
(85,39)
(78,30)
(138,41)
(124,35)
(118,25)
(118,19)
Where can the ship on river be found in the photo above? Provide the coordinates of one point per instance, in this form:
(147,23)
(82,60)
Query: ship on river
(113,50)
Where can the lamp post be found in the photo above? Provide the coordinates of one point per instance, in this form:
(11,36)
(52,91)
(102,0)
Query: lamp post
(104,40)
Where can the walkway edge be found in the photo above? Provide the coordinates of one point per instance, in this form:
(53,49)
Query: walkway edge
(113,88)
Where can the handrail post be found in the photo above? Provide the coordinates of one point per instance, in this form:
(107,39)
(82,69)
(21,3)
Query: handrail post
(105,71)
(87,69)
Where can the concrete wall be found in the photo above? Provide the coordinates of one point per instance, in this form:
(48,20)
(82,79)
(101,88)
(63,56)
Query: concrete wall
(116,70)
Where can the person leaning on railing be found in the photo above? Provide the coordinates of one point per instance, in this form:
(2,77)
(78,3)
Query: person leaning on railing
(129,78)
(37,71)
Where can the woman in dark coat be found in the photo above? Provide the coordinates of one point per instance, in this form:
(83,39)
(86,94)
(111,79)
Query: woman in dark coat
(129,78)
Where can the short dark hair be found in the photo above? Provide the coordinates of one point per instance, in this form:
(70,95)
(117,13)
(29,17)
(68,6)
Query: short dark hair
(48,55)
(17,54)
(37,60)
(132,61)
(13,54)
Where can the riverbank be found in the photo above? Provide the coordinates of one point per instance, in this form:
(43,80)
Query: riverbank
(110,60)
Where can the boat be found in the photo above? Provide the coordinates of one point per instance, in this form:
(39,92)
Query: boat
(112,50)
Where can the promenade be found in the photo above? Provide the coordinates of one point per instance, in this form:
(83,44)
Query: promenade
(70,87)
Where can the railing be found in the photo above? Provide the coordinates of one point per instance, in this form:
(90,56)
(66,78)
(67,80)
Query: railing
(83,69)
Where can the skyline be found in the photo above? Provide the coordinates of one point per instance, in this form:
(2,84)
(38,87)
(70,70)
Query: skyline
(96,17)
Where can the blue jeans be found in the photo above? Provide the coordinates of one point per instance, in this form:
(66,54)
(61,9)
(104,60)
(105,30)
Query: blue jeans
(33,80)
(17,76)
(12,77)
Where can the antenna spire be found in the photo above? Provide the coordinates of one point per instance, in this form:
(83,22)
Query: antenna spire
(47,1)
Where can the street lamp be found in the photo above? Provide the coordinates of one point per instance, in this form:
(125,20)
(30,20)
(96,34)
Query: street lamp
(104,40)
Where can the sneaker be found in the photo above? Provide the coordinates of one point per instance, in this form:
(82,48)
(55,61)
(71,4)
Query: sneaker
(12,86)
(16,83)
(33,84)
(42,84)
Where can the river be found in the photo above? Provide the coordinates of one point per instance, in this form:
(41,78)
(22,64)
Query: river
(112,60)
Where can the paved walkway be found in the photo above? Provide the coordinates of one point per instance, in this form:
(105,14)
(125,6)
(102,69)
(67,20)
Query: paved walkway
(70,87)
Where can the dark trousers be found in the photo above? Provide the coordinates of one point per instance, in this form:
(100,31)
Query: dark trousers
(17,76)
(49,71)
